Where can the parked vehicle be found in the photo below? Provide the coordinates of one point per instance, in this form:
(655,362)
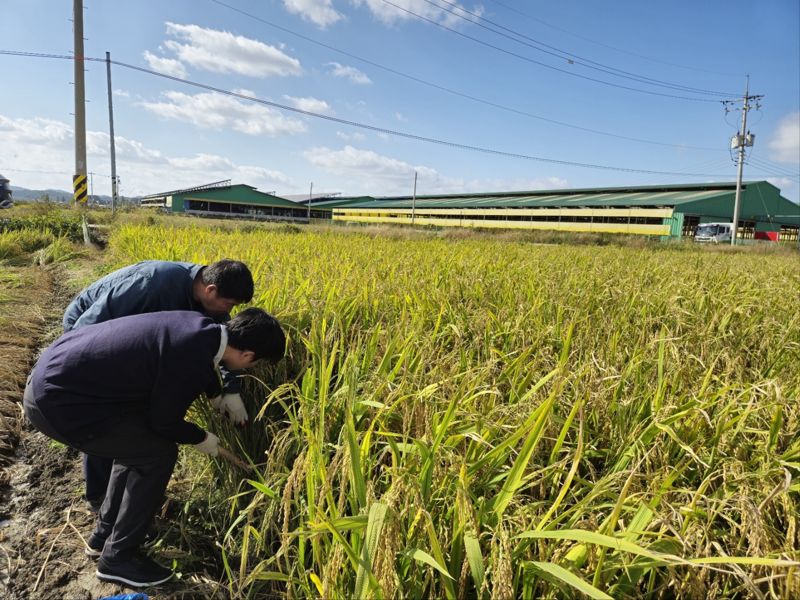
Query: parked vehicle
(5,193)
(714,233)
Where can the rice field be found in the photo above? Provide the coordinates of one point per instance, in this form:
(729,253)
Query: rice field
(483,418)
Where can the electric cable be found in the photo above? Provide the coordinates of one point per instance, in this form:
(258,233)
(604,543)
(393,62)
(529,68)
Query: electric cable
(462,94)
(775,171)
(572,58)
(360,125)
(775,167)
(545,65)
(395,132)
(604,45)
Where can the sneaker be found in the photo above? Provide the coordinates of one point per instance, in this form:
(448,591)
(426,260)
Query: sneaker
(137,571)
(94,546)
(94,504)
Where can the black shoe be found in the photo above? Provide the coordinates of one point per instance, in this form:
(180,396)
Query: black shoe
(94,546)
(94,504)
(137,571)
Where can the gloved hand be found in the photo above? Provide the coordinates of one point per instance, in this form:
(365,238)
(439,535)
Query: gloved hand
(210,445)
(232,405)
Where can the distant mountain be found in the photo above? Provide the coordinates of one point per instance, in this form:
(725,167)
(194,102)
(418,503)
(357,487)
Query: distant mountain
(21,193)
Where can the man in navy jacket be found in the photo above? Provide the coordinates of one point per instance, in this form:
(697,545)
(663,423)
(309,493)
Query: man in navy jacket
(156,285)
(120,390)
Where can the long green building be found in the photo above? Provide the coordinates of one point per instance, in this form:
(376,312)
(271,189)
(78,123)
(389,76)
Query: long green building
(671,211)
(221,199)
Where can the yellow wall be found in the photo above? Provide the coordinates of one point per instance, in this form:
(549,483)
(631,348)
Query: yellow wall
(467,218)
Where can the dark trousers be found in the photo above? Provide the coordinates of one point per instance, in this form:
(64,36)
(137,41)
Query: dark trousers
(142,466)
(96,472)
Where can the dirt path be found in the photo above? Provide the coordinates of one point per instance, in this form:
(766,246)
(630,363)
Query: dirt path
(43,520)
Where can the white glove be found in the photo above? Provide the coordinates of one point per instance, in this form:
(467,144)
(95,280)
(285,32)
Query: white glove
(210,445)
(232,405)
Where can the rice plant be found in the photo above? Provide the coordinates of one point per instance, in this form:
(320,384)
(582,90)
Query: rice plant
(475,418)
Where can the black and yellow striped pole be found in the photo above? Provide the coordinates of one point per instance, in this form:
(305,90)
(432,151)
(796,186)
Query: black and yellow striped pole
(79,189)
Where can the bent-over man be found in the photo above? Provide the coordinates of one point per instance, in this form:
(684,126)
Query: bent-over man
(157,285)
(120,390)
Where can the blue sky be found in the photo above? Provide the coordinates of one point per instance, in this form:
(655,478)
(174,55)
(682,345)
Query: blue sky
(525,88)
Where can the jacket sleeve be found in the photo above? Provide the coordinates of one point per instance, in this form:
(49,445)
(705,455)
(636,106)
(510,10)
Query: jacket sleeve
(99,311)
(174,390)
(71,315)
(130,297)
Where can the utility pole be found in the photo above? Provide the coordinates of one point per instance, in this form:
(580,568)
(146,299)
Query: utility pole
(310,194)
(742,139)
(79,178)
(111,136)
(414,201)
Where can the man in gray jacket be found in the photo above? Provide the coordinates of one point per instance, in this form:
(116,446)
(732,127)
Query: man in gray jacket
(152,286)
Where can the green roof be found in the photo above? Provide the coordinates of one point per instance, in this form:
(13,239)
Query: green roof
(237,194)
(761,201)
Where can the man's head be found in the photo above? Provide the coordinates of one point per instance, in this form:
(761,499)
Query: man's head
(222,285)
(253,335)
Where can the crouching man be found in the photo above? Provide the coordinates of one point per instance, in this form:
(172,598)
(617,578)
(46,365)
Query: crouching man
(120,389)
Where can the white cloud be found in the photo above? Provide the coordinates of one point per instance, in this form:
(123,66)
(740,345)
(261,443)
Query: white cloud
(517,185)
(121,93)
(39,155)
(224,52)
(351,73)
(782,183)
(168,66)
(367,172)
(310,104)
(97,143)
(217,111)
(319,12)
(388,14)
(785,142)
(351,137)
(400,117)
(354,160)
(33,131)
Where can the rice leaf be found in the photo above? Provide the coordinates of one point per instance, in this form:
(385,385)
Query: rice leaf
(570,579)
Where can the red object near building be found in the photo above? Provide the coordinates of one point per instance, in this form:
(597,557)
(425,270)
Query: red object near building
(769,236)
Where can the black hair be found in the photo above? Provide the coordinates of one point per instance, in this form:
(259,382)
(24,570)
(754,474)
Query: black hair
(258,331)
(232,278)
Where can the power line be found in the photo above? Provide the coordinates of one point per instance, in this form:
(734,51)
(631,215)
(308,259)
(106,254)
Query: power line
(773,166)
(41,172)
(572,58)
(393,131)
(541,64)
(572,33)
(35,171)
(462,94)
(760,165)
(368,127)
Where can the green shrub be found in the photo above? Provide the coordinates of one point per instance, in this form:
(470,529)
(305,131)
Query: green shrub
(59,224)
(33,239)
(60,250)
(9,246)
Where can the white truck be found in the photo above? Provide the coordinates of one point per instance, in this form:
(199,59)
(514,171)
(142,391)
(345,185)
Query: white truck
(714,233)
(5,193)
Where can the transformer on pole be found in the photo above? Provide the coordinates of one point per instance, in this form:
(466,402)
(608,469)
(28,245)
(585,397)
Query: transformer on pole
(740,141)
